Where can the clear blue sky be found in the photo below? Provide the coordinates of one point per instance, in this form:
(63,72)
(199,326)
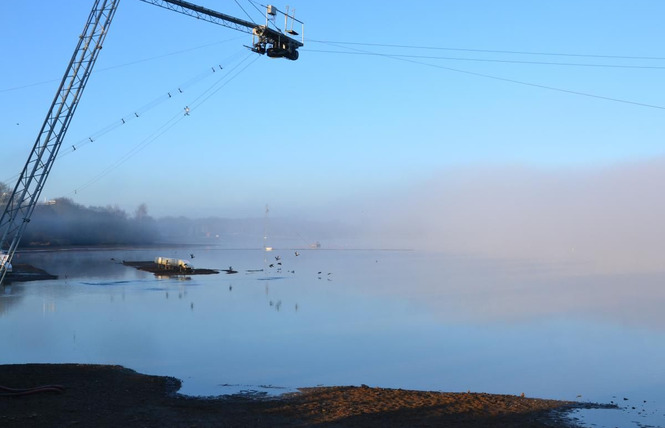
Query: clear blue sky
(340,123)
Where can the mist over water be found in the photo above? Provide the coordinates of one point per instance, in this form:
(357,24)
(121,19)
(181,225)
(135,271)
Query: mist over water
(603,219)
(402,319)
(498,279)
(608,219)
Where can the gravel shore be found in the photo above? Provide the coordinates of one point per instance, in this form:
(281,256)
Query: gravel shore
(112,396)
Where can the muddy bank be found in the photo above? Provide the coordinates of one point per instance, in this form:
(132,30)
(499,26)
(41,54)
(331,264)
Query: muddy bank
(112,396)
(24,272)
(153,267)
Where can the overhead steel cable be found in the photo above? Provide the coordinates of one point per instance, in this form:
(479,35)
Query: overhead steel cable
(490,50)
(182,51)
(271,22)
(173,93)
(113,67)
(171,122)
(565,64)
(136,149)
(246,14)
(504,79)
(253,3)
(203,97)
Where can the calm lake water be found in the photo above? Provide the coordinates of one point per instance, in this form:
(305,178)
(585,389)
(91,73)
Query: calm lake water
(399,319)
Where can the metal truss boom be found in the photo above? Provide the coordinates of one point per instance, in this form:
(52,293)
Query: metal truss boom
(22,201)
(268,41)
(200,12)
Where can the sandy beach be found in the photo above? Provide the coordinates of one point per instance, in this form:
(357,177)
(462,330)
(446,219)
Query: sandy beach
(112,396)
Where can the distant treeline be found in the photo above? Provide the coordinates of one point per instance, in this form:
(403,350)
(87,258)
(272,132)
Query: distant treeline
(62,222)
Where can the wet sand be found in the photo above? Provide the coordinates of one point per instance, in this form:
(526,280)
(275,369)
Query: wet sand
(113,396)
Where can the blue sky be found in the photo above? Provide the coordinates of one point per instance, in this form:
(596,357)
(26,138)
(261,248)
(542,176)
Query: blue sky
(346,123)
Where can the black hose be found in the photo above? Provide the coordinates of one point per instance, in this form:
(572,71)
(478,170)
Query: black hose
(15,392)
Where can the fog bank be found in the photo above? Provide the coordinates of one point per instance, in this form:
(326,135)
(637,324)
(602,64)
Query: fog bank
(610,217)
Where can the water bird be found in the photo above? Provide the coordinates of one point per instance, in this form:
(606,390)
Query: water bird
(191,255)
(297,254)
(278,258)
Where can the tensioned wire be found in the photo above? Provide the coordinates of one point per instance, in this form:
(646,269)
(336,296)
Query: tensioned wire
(497,78)
(127,64)
(171,122)
(69,147)
(411,58)
(444,48)
(504,61)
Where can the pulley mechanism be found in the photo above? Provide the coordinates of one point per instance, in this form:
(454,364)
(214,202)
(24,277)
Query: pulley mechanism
(267,39)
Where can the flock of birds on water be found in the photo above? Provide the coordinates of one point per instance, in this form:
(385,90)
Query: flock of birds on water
(277,265)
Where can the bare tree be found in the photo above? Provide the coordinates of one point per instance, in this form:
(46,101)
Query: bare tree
(4,194)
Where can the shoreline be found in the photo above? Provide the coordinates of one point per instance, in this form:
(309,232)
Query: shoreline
(110,396)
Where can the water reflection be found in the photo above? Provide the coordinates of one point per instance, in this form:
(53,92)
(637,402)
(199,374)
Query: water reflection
(482,291)
(393,319)
(9,298)
(174,277)
(451,288)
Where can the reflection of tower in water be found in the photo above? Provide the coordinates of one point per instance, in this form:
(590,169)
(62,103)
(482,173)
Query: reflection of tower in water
(266,247)
(271,267)
(266,225)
